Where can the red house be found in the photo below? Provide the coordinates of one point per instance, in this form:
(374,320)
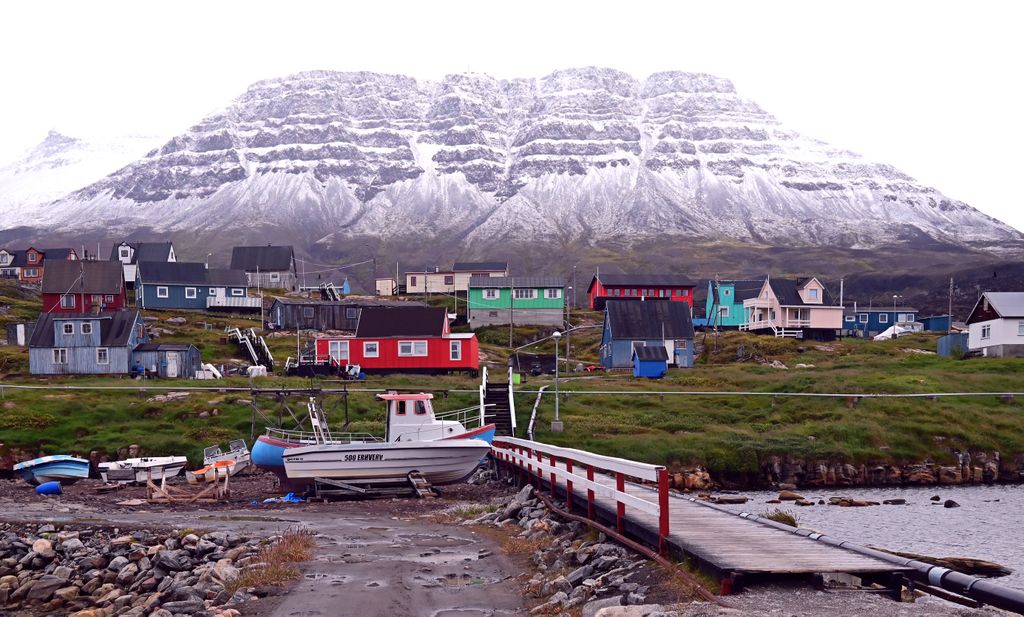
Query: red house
(83,286)
(28,265)
(411,339)
(639,287)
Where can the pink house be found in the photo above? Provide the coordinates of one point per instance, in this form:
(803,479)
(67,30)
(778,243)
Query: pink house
(800,308)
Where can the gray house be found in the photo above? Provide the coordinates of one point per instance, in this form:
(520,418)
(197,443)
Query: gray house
(85,344)
(168,360)
(630,323)
(269,267)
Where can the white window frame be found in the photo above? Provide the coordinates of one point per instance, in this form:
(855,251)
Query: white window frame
(414,349)
(338,351)
(191,293)
(1020,328)
(524,293)
(812,293)
(552,293)
(863,318)
(883,318)
(125,252)
(60,355)
(237,292)
(723,312)
(275,276)
(986,332)
(85,327)
(64,301)
(68,328)
(851,318)
(455,350)
(33,258)
(491,293)
(212,291)
(371,345)
(162,292)
(106,354)
(30,272)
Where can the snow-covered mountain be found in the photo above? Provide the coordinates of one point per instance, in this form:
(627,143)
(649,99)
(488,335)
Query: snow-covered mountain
(578,157)
(59,165)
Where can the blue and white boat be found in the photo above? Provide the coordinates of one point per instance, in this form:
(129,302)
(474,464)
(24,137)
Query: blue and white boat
(57,468)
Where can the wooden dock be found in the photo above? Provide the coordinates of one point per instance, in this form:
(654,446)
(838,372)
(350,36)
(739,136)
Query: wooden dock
(730,544)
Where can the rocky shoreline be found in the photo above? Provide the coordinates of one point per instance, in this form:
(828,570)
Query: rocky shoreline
(793,472)
(86,571)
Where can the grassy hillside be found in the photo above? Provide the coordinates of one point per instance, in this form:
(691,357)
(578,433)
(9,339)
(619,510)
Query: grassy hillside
(726,433)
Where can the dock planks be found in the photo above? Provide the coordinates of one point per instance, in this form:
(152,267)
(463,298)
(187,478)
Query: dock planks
(730,543)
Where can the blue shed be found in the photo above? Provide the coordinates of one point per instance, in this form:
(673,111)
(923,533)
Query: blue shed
(936,323)
(650,361)
(953,345)
(185,285)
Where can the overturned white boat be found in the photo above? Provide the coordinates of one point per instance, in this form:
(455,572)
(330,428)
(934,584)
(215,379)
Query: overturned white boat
(139,470)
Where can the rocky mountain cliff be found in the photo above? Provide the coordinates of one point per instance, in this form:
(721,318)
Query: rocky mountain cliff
(579,157)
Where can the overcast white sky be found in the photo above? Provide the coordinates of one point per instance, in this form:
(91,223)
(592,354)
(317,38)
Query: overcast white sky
(932,87)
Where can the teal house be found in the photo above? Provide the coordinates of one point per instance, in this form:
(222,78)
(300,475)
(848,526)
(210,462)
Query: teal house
(519,300)
(724,305)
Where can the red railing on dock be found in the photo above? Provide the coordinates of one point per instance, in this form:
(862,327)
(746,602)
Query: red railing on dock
(561,468)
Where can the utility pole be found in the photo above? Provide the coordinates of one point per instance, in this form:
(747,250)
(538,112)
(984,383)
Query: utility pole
(556,424)
(949,327)
(511,308)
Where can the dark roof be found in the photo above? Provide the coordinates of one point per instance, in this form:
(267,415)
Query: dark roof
(878,309)
(183,272)
(165,347)
(401,321)
(787,291)
(79,276)
(354,302)
(115,327)
(56,253)
(654,280)
(651,352)
(516,281)
(227,278)
(263,258)
(19,258)
(742,289)
(144,251)
(649,319)
(480,266)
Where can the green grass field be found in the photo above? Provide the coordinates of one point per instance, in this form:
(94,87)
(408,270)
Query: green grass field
(731,433)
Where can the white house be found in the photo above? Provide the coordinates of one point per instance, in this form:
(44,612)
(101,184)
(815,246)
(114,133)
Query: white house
(996,324)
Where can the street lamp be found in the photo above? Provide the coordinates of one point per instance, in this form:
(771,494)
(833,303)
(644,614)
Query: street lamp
(894,297)
(556,424)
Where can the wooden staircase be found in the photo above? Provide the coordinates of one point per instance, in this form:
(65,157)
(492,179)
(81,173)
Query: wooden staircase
(420,485)
(497,410)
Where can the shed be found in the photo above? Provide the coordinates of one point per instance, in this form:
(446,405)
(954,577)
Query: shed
(953,345)
(936,323)
(167,360)
(650,361)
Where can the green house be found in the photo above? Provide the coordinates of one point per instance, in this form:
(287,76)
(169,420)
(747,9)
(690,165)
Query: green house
(519,300)
(724,305)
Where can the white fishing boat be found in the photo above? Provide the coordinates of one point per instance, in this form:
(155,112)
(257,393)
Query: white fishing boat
(368,460)
(238,454)
(138,470)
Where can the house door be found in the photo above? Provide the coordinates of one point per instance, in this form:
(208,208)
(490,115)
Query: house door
(338,351)
(172,364)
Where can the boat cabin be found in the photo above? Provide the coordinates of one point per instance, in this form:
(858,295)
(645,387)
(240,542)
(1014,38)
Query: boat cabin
(411,417)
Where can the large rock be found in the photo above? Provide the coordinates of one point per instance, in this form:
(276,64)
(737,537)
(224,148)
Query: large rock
(641,610)
(590,609)
(43,548)
(44,586)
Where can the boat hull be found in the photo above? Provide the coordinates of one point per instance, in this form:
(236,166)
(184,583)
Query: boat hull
(60,468)
(440,462)
(139,470)
(268,453)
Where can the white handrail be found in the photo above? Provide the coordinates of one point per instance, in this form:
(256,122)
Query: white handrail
(643,471)
(511,400)
(533,414)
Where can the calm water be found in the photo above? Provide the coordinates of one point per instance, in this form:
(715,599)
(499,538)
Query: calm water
(989,524)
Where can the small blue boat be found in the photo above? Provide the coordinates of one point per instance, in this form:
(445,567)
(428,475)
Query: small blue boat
(57,468)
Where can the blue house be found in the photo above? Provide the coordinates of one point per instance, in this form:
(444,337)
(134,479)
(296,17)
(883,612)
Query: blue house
(723,307)
(85,343)
(629,324)
(650,361)
(869,321)
(187,285)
